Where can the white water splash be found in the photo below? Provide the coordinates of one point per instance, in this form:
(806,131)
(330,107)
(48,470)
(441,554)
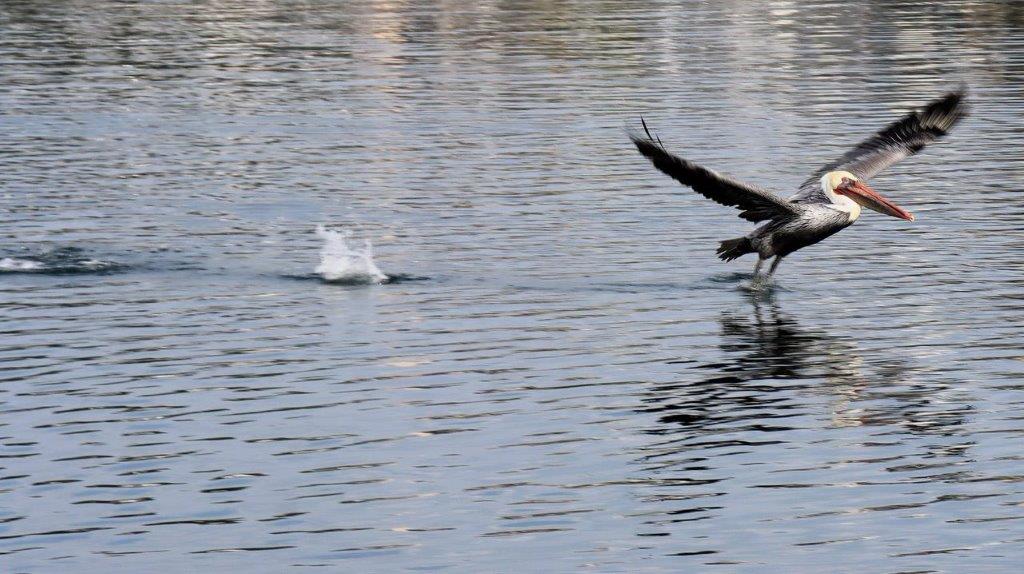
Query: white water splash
(340,262)
(13,264)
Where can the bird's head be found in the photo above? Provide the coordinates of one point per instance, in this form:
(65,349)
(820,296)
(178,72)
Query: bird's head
(846,190)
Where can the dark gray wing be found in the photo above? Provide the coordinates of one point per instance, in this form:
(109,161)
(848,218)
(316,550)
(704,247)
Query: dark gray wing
(899,140)
(757,204)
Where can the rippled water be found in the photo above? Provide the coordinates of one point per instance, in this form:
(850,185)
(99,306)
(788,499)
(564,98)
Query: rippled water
(568,379)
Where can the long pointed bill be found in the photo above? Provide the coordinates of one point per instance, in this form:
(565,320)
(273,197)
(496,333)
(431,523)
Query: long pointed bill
(867,197)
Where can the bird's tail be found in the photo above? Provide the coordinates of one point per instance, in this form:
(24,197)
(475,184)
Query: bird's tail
(732,248)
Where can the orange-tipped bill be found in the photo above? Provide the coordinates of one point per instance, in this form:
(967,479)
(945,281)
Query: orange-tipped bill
(866,197)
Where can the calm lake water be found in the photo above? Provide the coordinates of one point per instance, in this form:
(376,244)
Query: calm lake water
(566,379)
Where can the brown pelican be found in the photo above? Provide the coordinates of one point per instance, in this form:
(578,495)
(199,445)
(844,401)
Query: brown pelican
(828,201)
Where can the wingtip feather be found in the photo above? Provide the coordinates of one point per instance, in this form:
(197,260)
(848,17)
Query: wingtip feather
(943,113)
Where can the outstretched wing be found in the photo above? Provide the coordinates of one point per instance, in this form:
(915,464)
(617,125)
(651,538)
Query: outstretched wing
(899,140)
(757,204)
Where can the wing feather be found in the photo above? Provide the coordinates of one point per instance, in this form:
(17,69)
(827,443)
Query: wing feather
(900,139)
(757,204)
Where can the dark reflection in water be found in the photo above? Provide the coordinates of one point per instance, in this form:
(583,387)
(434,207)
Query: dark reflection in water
(769,350)
(562,376)
(759,349)
(774,376)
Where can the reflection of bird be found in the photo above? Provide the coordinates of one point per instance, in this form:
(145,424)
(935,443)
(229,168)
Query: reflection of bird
(865,388)
(828,201)
(767,355)
(758,351)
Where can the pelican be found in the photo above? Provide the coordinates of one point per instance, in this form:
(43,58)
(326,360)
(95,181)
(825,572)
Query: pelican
(828,201)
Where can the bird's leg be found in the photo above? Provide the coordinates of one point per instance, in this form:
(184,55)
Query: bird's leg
(771,270)
(757,267)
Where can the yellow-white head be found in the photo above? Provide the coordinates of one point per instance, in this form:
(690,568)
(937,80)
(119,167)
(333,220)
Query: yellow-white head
(847,194)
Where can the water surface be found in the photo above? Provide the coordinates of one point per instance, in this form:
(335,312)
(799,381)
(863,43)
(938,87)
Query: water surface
(573,382)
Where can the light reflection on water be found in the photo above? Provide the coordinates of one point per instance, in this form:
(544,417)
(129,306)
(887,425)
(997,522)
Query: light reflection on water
(563,377)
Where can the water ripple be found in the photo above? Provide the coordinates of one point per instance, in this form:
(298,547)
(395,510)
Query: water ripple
(558,373)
